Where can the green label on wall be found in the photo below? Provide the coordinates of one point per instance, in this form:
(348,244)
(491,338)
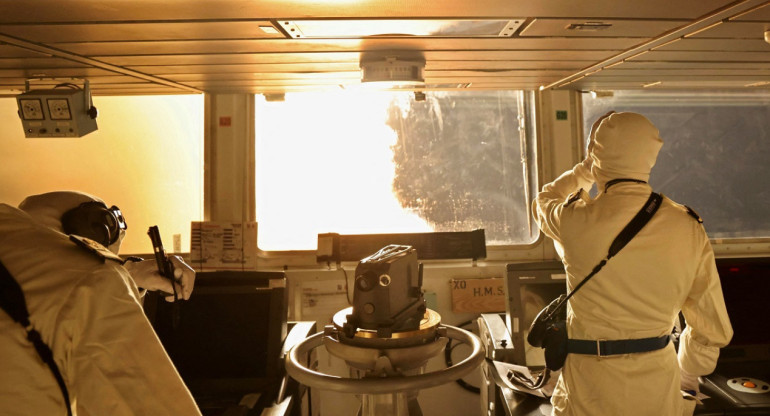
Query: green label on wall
(561,115)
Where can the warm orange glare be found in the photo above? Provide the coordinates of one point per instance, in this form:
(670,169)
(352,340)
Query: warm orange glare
(146,157)
(324,164)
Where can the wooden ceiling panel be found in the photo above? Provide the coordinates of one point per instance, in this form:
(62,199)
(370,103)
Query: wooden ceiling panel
(599,28)
(208,47)
(39,63)
(106,88)
(736,30)
(187,78)
(496,67)
(718,44)
(85,72)
(152,89)
(231,59)
(167,70)
(130,85)
(442,87)
(713,72)
(692,65)
(443,79)
(354,75)
(591,85)
(761,14)
(118,32)
(39,11)
(183,46)
(11,51)
(348,57)
(51,82)
(653,77)
(705,56)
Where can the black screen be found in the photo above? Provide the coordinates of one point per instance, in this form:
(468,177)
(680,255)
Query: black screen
(228,334)
(746,288)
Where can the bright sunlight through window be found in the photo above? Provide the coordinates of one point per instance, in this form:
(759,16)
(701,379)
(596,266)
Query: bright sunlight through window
(146,158)
(370,162)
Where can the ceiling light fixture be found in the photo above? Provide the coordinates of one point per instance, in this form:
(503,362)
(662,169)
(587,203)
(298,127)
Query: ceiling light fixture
(393,72)
(361,28)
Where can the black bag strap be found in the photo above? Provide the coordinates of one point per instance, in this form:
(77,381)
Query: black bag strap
(13,303)
(633,227)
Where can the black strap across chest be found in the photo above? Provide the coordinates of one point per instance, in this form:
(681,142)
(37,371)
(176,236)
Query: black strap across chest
(640,219)
(13,303)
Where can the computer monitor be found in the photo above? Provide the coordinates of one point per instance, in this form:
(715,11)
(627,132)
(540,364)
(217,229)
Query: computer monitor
(227,340)
(746,288)
(529,288)
(745,285)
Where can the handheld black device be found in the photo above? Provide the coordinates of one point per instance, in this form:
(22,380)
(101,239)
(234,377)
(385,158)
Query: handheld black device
(165,268)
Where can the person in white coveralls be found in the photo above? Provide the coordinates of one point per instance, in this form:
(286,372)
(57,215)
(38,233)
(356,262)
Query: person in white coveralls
(84,305)
(666,268)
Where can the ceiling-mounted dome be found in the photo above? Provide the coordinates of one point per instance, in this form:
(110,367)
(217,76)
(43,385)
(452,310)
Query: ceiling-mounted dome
(393,70)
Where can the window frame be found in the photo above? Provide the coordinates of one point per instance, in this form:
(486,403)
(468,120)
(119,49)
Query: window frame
(496,252)
(751,245)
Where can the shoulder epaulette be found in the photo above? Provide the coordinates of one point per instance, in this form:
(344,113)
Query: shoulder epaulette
(574,197)
(694,214)
(95,248)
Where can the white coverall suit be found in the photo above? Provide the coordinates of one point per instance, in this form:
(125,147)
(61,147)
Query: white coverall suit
(667,267)
(87,311)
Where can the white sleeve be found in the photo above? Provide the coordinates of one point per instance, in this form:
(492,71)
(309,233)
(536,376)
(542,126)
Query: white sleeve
(708,326)
(550,202)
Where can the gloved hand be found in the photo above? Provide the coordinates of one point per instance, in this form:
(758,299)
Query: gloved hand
(689,383)
(146,275)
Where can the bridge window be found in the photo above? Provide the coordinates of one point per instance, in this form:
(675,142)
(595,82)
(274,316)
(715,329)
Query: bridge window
(363,162)
(146,157)
(715,152)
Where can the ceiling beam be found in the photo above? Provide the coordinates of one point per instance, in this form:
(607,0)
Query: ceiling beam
(59,53)
(702,23)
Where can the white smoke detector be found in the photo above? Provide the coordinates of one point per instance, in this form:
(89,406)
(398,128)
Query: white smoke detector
(393,71)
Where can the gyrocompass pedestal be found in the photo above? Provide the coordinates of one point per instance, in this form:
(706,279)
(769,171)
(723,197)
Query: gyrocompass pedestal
(386,372)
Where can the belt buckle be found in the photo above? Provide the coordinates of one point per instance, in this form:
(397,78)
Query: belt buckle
(599,348)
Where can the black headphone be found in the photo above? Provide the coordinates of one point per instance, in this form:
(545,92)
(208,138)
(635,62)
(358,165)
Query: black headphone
(95,221)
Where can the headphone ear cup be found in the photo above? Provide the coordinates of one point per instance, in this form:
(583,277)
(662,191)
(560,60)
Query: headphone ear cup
(101,233)
(88,221)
